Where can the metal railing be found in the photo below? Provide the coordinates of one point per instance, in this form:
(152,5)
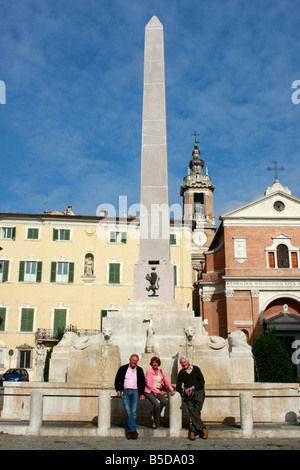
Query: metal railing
(49,334)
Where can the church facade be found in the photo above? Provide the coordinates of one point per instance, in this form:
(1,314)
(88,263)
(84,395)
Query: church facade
(251,279)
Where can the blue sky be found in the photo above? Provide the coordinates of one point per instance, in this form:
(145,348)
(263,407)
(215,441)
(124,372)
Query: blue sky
(73,70)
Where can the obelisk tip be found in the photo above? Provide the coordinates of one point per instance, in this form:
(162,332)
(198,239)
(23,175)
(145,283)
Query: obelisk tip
(154,23)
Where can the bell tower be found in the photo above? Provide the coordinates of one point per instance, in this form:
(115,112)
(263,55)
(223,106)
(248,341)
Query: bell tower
(197,193)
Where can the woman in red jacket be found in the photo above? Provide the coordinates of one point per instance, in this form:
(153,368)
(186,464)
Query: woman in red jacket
(156,389)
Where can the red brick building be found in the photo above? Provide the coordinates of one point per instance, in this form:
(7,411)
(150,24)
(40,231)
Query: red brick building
(251,278)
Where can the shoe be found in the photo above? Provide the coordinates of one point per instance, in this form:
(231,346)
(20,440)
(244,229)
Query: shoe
(129,435)
(192,436)
(134,434)
(204,433)
(154,425)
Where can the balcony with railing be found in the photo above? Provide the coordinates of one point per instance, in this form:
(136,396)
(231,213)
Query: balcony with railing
(50,334)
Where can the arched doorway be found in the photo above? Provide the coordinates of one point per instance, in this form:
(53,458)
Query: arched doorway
(283,315)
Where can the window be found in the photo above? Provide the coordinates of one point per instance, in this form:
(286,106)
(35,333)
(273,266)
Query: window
(118,237)
(8,233)
(32,234)
(199,205)
(114,273)
(173,240)
(279,206)
(271,260)
(2,318)
(282,254)
(294,259)
(61,234)
(25,358)
(27,316)
(62,271)
(30,271)
(60,319)
(4,270)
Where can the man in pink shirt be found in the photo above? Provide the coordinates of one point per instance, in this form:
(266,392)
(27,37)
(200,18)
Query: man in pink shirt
(130,385)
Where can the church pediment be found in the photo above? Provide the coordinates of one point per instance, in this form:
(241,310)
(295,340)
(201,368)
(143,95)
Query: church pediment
(284,318)
(274,205)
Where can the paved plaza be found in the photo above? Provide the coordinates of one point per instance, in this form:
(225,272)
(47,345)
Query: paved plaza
(171,446)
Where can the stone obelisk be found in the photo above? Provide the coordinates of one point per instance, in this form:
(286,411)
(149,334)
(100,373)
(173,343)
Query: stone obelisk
(154,273)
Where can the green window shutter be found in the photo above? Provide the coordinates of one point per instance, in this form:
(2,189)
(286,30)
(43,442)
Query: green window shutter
(175,276)
(39,271)
(21,271)
(5,271)
(33,234)
(60,317)
(67,235)
(112,237)
(53,271)
(71,272)
(172,239)
(103,315)
(14,233)
(124,237)
(114,273)
(55,234)
(27,319)
(2,318)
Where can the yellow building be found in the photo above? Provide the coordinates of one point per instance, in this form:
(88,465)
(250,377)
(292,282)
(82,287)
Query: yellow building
(60,269)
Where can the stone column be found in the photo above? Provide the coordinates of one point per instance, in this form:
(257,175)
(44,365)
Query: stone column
(104,413)
(175,415)
(246,414)
(36,411)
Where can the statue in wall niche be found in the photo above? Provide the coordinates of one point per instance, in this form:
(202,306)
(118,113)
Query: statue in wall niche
(238,339)
(153,279)
(89,266)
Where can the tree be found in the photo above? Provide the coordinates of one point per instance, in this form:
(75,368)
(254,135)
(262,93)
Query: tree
(272,361)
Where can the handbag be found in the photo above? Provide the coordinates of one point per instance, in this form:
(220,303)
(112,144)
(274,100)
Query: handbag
(163,386)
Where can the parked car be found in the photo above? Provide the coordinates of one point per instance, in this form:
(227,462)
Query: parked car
(15,375)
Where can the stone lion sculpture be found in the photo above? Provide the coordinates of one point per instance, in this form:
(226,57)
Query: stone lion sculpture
(67,340)
(196,339)
(238,339)
(71,340)
(93,341)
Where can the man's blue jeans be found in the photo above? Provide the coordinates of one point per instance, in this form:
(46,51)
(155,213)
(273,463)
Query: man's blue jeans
(131,402)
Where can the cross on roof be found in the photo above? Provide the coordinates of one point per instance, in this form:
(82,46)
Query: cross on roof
(275,169)
(195,135)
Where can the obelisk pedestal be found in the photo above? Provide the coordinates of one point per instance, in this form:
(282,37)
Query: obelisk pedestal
(154,273)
